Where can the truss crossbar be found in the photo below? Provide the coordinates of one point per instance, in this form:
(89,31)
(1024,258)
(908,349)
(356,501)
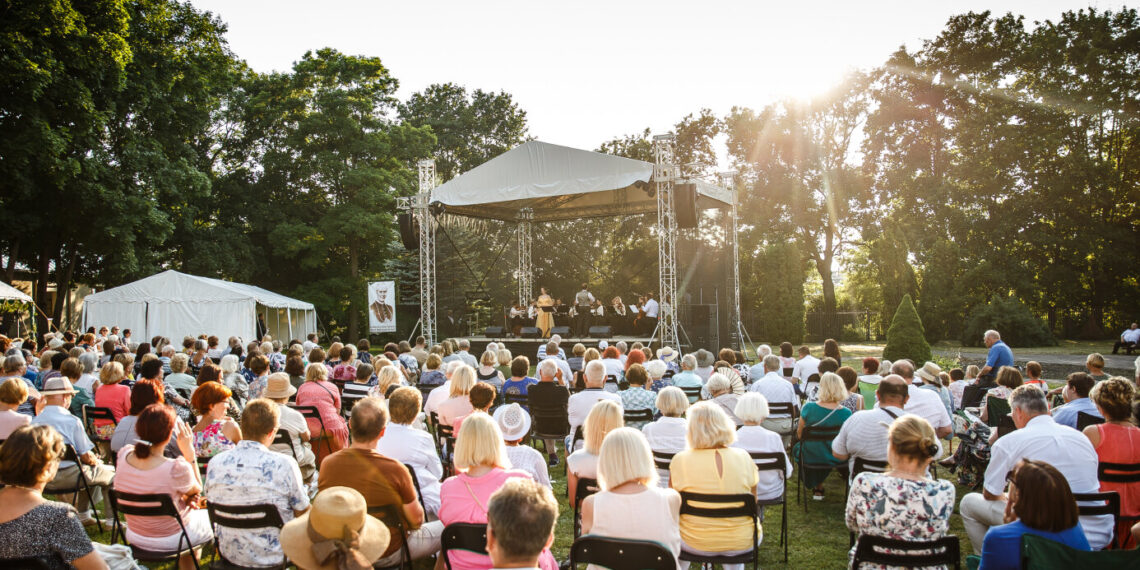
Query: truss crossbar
(525,272)
(420,206)
(664,174)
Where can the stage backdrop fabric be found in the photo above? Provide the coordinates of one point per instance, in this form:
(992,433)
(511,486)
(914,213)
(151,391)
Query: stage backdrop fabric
(382,306)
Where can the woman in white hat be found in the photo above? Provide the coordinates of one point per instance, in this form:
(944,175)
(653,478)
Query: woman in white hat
(337,533)
(932,381)
(514,422)
(279,388)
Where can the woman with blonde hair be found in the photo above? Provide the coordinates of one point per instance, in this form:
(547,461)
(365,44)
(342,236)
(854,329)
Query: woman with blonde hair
(488,372)
(710,465)
(630,504)
(828,412)
(604,417)
(318,392)
(482,468)
(667,434)
(388,378)
(13,392)
(111,394)
(903,503)
(458,403)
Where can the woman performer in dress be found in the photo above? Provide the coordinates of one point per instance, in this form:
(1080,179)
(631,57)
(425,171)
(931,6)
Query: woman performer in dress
(545,319)
(618,314)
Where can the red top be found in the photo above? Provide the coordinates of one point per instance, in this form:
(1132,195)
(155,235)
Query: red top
(117,397)
(1121,444)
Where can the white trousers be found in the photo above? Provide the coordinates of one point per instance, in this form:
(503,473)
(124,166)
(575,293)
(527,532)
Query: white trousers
(197,524)
(978,515)
(422,542)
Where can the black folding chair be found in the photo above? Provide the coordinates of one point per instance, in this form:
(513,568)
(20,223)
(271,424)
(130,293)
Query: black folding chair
(550,422)
(463,536)
(621,553)
(312,413)
(907,553)
(692,392)
(92,413)
(1085,420)
(390,516)
(1109,505)
(346,404)
(283,438)
(777,462)
(416,484)
(445,443)
(203,465)
(45,562)
(663,459)
(824,434)
(574,440)
(243,517)
(859,465)
(613,379)
(148,505)
(520,399)
(996,409)
(644,415)
(585,488)
(1127,473)
(740,505)
(81,485)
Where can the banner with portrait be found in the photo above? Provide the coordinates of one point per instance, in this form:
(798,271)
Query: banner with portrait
(382,307)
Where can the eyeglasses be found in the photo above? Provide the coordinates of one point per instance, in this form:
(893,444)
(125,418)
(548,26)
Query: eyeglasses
(1010,476)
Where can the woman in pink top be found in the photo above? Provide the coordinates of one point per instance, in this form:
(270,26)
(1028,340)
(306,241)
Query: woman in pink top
(458,403)
(110,393)
(481,460)
(317,391)
(1117,440)
(142,469)
(13,392)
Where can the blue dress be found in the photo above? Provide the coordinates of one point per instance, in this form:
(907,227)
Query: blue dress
(819,452)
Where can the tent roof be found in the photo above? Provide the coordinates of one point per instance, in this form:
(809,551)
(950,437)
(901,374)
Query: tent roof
(10,293)
(174,287)
(557,183)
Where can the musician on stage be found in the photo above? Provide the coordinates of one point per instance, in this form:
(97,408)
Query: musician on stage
(619,316)
(583,302)
(650,310)
(544,320)
(518,318)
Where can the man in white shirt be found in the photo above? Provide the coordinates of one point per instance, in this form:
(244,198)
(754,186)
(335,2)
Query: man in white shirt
(556,340)
(776,390)
(1038,438)
(805,367)
(566,377)
(924,403)
(652,309)
(443,391)
(864,434)
(757,369)
(579,404)
(310,343)
(465,355)
(1128,340)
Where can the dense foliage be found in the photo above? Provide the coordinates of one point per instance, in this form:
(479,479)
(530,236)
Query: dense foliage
(1010,317)
(906,337)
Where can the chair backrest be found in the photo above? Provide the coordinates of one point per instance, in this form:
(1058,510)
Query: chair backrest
(553,421)
(309,412)
(416,484)
(774,461)
(143,505)
(692,392)
(262,515)
(463,536)
(746,507)
(338,383)
(1085,420)
(663,459)
(283,438)
(45,562)
(819,433)
(642,415)
(1005,426)
(1105,472)
(389,515)
(520,399)
(585,488)
(1040,553)
(621,553)
(1108,503)
(91,413)
(669,374)
(907,553)
(781,408)
(974,394)
(574,440)
(860,465)
(997,409)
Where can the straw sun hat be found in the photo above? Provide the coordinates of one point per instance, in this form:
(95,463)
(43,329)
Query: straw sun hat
(336,533)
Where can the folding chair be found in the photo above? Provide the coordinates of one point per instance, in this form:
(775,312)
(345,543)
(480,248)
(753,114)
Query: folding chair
(996,409)
(663,459)
(621,553)
(692,392)
(859,465)
(550,422)
(907,553)
(585,488)
(312,413)
(1129,474)
(390,516)
(520,399)
(463,536)
(776,462)
(346,404)
(574,440)
(203,464)
(824,434)
(416,484)
(642,416)
(339,384)
(283,438)
(1085,420)
(92,413)
(613,379)
(243,517)
(81,485)
(1040,553)
(160,505)
(33,562)
(445,443)
(1109,505)
(745,508)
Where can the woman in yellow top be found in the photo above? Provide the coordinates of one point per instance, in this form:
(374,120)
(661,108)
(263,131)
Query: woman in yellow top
(545,319)
(710,466)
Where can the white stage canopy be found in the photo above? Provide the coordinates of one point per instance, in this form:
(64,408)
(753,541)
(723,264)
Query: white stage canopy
(174,305)
(10,293)
(559,183)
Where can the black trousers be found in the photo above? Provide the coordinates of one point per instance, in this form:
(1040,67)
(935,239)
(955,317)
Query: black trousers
(648,324)
(582,322)
(1127,346)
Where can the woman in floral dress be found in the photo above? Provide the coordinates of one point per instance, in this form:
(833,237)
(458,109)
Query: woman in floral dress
(903,503)
(215,431)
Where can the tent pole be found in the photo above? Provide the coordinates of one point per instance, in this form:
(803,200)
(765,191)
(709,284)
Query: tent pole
(525,272)
(665,172)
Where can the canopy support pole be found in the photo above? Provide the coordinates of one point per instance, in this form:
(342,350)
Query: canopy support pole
(289,318)
(525,273)
(420,206)
(664,174)
(736,326)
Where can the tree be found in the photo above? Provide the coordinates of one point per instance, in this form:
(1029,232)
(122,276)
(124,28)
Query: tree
(776,280)
(906,337)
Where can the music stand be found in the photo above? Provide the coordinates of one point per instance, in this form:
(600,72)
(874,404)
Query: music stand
(547,309)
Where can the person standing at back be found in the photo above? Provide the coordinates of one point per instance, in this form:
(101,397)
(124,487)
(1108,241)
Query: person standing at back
(583,303)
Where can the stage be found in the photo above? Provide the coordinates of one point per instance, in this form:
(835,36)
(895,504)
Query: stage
(528,347)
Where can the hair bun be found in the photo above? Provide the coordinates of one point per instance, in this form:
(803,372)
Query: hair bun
(932,450)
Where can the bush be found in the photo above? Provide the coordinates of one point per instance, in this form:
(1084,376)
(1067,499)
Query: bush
(1010,317)
(853,333)
(906,337)
(781,296)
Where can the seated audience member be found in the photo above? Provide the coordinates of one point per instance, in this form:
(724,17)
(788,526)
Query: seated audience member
(215,431)
(1117,440)
(710,465)
(233,379)
(89,361)
(637,397)
(1076,395)
(318,392)
(922,402)
(346,370)
(752,409)
(580,404)
(931,376)
(143,394)
(687,378)
(824,413)
(143,470)
(1040,503)
(903,503)
(15,366)
(521,517)
(487,370)
(1038,438)
(258,365)
(870,373)
(28,460)
(71,369)
(854,400)
(458,403)
(667,434)
(252,474)
(1095,365)
(382,480)
(295,368)
(432,375)
(630,505)
(178,387)
(656,370)
(720,392)
(482,397)
(576,362)
(13,393)
(412,446)
(336,533)
(604,417)
(57,393)
(705,361)
(776,390)
(551,399)
(958,385)
(113,395)
(514,422)
(864,434)
(388,378)
(362,383)
(482,466)
(1033,373)
(611,359)
(278,389)
(519,382)
(443,392)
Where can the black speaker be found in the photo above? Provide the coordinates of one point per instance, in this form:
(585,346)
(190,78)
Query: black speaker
(409,231)
(685,204)
(494,332)
(529,332)
(601,332)
(564,331)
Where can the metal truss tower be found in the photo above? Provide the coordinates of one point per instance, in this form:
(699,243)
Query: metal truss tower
(525,271)
(736,326)
(665,173)
(421,203)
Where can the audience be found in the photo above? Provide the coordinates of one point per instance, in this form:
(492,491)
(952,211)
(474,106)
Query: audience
(514,422)
(215,431)
(719,388)
(776,390)
(604,417)
(687,378)
(709,465)
(414,447)
(824,413)
(278,389)
(519,383)
(667,434)
(636,397)
(432,375)
(1040,503)
(1117,440)
(854,400)
(630,505)
(804,368)
(924,403)
(552,400)
(144,394)
(482,397)
(28,461)
(931,375)
(903,503)
(330,433)
(13,393)
(656,370)
(864,434)
(1076,394)
(580,404)
(752,409)
(458,403)
(488,371)
(521,518)
(113,395)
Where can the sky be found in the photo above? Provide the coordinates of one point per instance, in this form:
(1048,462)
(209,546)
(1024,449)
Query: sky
(589,70)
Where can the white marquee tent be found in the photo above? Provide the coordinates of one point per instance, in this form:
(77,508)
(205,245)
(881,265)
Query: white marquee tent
(10,293)
(174,305)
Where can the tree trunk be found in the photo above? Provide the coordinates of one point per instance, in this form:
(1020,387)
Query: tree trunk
(62,289)
(354,272)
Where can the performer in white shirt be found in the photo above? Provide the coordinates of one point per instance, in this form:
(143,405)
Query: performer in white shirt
(652,309)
